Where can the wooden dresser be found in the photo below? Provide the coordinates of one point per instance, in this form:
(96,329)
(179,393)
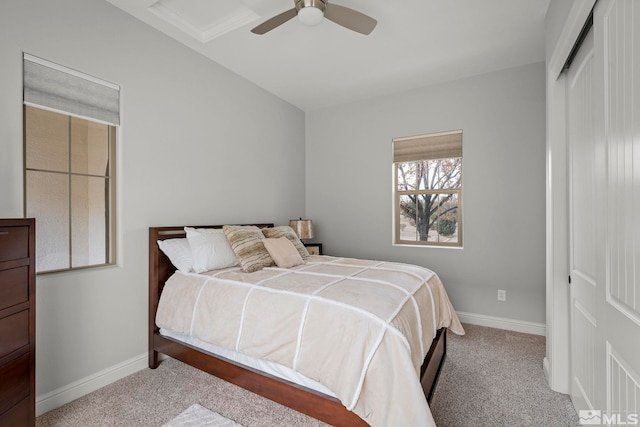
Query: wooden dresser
(17,322)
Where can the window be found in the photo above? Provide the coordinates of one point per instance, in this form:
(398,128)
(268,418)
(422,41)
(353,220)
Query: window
(428,189)
(69,146)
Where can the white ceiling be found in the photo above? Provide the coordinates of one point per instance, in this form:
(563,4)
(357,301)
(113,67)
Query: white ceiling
(416,43)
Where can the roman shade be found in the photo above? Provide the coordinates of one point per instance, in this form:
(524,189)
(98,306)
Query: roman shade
(444,145)
(54,87)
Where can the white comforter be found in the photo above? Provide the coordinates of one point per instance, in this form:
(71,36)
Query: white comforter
(361,328)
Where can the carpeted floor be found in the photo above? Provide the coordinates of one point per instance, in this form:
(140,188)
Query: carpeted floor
(494,377)
(491,378)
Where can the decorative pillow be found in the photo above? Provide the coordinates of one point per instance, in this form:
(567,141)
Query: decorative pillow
(246,242)
(179,253)
(286,231)
(283,252)
(210,249)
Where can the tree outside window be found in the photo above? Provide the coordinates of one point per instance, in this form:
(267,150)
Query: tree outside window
(428,189)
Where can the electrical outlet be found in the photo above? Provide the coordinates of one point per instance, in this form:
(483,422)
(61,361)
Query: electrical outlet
(502,295)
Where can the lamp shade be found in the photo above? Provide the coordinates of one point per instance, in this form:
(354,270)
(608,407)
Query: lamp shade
(302,227)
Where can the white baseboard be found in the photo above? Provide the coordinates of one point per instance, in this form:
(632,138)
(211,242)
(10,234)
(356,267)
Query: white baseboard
(503,323)
(58,397)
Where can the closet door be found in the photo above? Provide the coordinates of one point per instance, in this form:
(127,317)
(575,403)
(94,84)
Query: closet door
(603,122)
(618,43)
(585,207)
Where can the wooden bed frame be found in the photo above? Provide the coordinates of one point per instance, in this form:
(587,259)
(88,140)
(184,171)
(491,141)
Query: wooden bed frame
(302,399)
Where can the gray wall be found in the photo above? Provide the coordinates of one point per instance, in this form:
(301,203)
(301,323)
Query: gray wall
(502,115)
(198,144)
(557,15)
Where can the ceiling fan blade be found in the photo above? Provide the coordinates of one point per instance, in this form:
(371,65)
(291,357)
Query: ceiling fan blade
(274,22)
(349,18)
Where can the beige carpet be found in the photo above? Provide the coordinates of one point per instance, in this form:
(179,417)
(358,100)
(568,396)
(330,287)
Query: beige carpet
(494,377)
(490,378)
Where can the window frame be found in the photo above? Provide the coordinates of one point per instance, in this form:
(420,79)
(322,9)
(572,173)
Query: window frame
(397,193)
(75,95)
(111,190)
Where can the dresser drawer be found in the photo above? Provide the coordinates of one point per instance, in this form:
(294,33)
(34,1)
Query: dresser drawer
(14,286)
(14,243)
(14,332)
(19,415)
(14,382)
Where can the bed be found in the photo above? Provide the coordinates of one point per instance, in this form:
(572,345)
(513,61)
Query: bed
(307,397)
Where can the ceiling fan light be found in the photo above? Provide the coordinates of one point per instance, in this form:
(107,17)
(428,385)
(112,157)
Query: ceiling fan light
(310,15)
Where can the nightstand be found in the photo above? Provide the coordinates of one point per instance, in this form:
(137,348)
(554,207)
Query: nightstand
(314,248)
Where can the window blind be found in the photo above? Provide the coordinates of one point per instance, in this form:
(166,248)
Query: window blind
(442,145)
(62,89)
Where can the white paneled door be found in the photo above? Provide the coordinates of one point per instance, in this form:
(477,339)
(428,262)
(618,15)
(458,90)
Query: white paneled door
(585,210)
(603,125)
(620,47)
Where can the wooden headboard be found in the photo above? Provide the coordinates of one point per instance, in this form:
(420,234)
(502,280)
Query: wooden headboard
(160,268)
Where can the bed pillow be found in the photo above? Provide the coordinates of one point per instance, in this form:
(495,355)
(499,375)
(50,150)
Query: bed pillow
(246,242)
(210,249)
(286,231)
(179,253)
(283,252)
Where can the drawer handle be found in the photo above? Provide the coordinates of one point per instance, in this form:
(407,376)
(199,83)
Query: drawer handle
(3,233)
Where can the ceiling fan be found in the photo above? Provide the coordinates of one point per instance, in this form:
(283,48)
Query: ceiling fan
(311,12)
